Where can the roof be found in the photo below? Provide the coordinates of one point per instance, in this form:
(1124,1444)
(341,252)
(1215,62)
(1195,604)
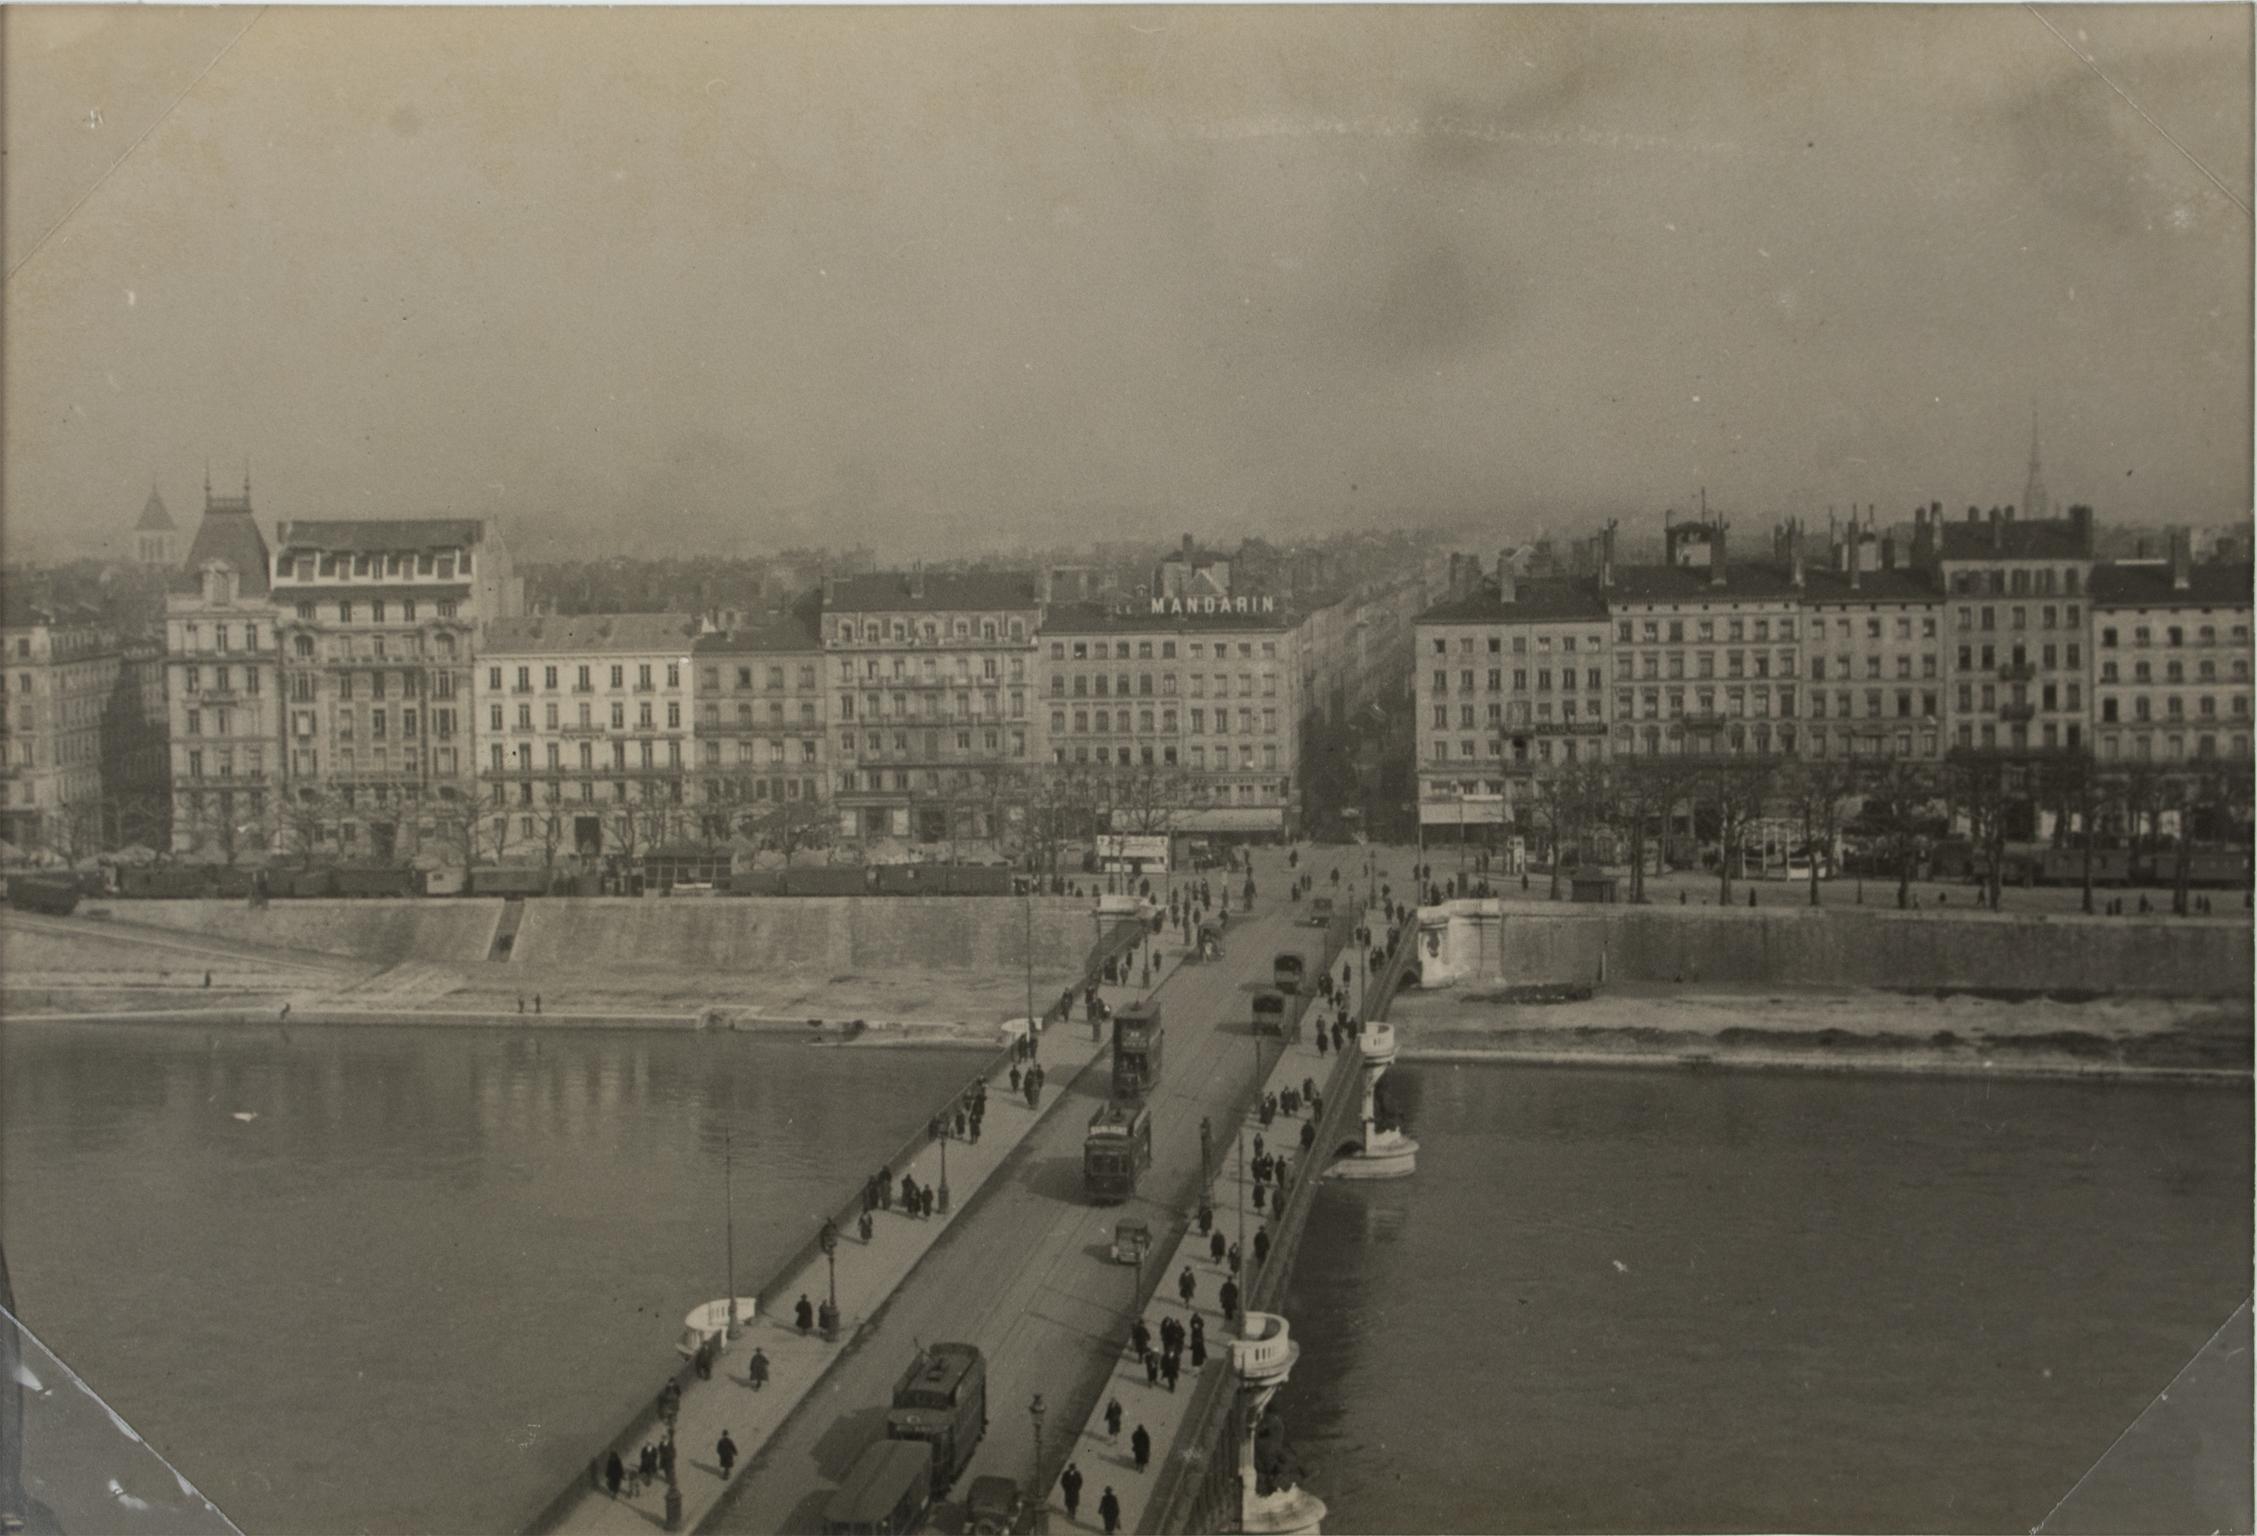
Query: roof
(232,536)
(1905,584)
(1744,581)
(2055,538)
(2149,586)
(1098,619)
(588,633)
(938,592)
(768,633)
(380,535)
(154,517)
(1545,600)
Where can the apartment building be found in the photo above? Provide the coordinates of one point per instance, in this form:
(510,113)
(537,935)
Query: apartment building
(1512,681)
(222,688)
(584,732)
(1185,714)
(1707,650)
(2016,623)
(379,622)
(1873,643)
(59,672)
(931,679)
(762,732)
(2172,648)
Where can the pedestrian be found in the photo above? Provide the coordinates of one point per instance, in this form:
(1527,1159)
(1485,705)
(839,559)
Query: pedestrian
(1140,1444)
(614,1473)
(975,1130)
(1187,1285)
(885,1189)
(756,1369)
(865,1228)
(1140,1338)
(726,1451)
(1014,1077)
(1262,1245)
(908,1195)
(804,1313)
(704,1358)
(1308,1135)
(1234,1259)
(1033,1089)
(1215,1247)
(646,1465)
(1320,1042)
(1258,1196)
(1151,1368)
(963,1124)
(1309,1089)
(1168,1369)
(1113,1418)
(1257,1149)
(666,1458)
(1198,1341)
(1069,1485)
(1109,1511)
(925,1200)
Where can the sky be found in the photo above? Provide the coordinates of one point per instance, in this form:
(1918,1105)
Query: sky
(935,280)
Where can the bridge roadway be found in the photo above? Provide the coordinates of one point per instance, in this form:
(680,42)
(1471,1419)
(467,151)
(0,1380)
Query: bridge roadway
(1024,1272)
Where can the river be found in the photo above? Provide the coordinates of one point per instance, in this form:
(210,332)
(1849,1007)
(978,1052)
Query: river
(404,1279)
(1670,1301)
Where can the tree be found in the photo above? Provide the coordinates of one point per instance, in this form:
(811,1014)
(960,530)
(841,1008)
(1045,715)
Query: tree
(1642,789)
(146,819)
(1061,806)
(1735,788)
(1984,786)
(2071,784)
(308,814)
(1144,799)
(2139,790)
(552,826)
(786,825)
(1816,787)
(458,819)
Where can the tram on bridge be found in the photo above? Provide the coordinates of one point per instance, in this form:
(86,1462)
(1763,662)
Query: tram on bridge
(1137,1030)
(1116,1151)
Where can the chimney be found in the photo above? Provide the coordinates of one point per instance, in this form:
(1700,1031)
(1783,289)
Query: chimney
(1794,553)
(1856,538)
(830,591)
(1716,554)
(1974,516)
(1669,545)
(1606,556)
(2182,560)
(1508,585)
(1888,551)
(2080,522)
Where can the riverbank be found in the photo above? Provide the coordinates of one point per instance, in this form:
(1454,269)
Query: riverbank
(2058,1035)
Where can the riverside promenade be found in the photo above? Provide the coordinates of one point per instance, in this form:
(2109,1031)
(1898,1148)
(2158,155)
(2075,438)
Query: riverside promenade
(1024,1270)
(869,1274)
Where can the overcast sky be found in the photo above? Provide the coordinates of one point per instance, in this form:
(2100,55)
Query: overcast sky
(933,279)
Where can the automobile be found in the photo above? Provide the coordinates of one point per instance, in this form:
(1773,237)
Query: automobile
(1132,1240)
(997,1506)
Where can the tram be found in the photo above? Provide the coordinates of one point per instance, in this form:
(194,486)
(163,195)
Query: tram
(1116,1151)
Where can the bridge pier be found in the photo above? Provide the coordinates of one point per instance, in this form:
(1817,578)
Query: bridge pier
(1385,1153)
(1262,1358)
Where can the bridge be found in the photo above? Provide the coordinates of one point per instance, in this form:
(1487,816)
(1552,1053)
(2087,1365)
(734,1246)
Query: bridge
(1021,1266)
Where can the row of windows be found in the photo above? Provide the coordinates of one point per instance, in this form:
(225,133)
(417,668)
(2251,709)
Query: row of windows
(2172,748)
(583,678)
(930,673)
(1104,684)
(646,716)
(747,677)
(1103,722)
(379,611)
(2173,635)
(1098,650)
(2050,696)
(928,631)
(1652,630)
(1544,640)
(647,756)
(1543,679)
(669,791)
(1543,749)
(1736,663)
(373,647)
(2068,579)
(2175,708)
(2174,671)
(873,743)
(936,706)
(443,567)
(2018,617)
(767,750)
(192,638)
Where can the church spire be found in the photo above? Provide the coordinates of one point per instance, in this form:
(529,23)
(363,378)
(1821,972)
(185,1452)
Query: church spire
(2035,503)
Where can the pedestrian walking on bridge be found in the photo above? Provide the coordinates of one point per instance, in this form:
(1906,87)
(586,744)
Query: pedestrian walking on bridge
(1262,1246)
(1187,1285)
(804,1313)
(725,1451)
(1198,1341)
(1215,1247)
(1109,1511)
(1069,1485)
(1140,1445)
(1113,1418)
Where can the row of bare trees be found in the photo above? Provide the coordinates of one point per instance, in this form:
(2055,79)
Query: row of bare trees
(1900,803)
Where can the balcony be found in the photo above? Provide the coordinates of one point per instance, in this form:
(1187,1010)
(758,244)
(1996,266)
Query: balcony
(2016,672)
(2017,713)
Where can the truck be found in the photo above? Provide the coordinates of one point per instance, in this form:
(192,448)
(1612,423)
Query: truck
(941,1401)
(887,1492)
(1116,1151)
(1137,1031)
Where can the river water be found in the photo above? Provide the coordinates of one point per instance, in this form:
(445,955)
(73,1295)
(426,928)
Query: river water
(1667,1301)
(435,1266)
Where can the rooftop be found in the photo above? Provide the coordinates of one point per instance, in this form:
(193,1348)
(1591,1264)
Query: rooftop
(380,535)
(154,517)
(2031,539)
(228,533)
(765,633)
(936,592)
(2149,586)
(1543,600)
(1744,581)
(1905,584)
(589,634)
(1176,618)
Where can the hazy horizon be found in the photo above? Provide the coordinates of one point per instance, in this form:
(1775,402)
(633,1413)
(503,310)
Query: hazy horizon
(951,280)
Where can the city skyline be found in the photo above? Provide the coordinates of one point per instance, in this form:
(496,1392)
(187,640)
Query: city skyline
(944,280)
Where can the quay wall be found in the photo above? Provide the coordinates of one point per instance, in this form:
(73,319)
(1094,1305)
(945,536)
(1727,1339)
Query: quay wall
(1529,942)
(387,931)
(831,935)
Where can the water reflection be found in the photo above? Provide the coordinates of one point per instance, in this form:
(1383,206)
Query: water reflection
(457,1255)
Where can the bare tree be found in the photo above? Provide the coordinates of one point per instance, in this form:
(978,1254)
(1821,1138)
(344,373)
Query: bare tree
(1735,788)
(1642,788)
(1898,792)
(552,826)
(1061,805)
(2139,789)
(1816,787)
(2071,784)
(1984,787)
(458,819)
(308,814)
(785,825)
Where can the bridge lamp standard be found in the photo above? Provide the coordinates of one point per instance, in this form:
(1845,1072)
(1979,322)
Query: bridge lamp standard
(1035,1499)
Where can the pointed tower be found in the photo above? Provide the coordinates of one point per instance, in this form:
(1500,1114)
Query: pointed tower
(2035,503)
(156,540)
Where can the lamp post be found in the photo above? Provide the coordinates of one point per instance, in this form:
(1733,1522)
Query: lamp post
(1030,961)
(1035,1499)
(729,1223)
(673,1406)
(942,1199)
(830,1319)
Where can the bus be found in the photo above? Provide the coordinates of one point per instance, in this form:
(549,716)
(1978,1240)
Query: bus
(941,1401)
(887,1492)
(1116,1152)
(1136,1049)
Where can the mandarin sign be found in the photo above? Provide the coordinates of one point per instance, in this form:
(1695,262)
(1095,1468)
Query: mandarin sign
(1191,606)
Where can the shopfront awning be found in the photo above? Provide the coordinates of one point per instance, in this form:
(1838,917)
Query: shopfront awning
(1232,818)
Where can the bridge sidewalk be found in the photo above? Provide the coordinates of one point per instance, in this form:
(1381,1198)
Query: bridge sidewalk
(868,1276)
(1108,1460)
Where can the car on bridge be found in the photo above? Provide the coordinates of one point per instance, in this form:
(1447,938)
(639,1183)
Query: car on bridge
(997,1506)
